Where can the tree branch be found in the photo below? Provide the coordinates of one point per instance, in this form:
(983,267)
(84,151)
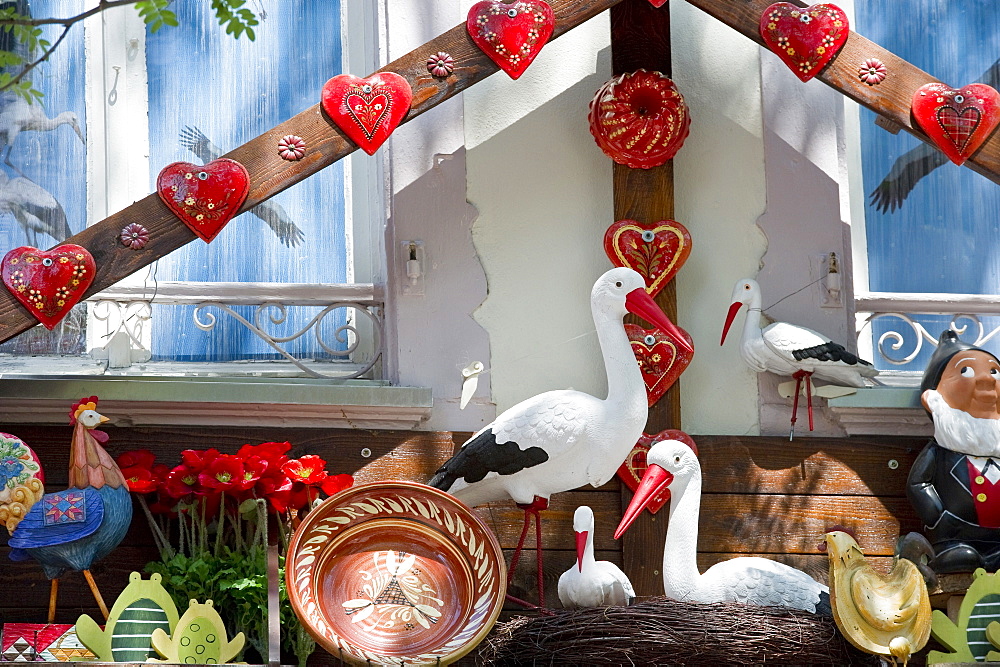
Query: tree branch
(32,65)
(67,22)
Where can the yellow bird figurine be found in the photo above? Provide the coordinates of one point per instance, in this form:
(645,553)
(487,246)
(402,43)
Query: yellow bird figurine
(885,614)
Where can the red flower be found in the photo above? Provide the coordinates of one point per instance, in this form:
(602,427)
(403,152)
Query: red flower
(269,451)
(137,458)
(334,484)
(198,458)
(310,470)
(182,481)
(253,468)
(140,480)
(223,473)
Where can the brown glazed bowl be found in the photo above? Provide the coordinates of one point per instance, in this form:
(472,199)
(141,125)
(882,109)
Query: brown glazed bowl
(395,573)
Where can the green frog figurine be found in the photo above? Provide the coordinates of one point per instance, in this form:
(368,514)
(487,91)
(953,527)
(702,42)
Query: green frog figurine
(199,638)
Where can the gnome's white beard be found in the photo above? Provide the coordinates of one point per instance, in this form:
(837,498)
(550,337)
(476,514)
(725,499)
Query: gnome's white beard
(959,431)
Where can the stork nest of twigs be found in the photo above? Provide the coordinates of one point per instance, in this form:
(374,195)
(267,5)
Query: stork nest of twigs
(666,632)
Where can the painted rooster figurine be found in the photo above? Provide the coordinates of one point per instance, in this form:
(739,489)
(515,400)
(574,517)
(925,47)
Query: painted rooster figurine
(71,529)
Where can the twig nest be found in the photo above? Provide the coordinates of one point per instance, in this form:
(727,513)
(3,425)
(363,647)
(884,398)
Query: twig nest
(639,119)
(661,631)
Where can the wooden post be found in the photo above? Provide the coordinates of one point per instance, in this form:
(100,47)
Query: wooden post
(640,39)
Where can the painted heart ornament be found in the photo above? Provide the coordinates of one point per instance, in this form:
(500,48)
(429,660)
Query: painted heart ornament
(634,467)
(367,110)
(511,33)
(48,282)
(957,121)
(206,197)
(656,250)
(660,360)
(805,38)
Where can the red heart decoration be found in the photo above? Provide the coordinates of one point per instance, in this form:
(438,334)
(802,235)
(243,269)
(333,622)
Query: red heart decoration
(511,34)
(660,361)
(634,467)
(656,251)
(957,121)
(367,110)
(805,38)
(48,282)
(207,197)
(657,3)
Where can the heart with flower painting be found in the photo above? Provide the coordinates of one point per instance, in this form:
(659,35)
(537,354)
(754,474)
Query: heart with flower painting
(656,250)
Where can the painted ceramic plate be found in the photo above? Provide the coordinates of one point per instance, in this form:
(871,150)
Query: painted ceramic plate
(395,573)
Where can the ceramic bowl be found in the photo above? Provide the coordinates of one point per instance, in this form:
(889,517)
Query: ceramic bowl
(395,573)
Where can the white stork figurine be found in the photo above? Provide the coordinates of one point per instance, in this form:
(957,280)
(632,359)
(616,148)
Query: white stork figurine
(592,583)
(787,349)
(749,580)
(561,440)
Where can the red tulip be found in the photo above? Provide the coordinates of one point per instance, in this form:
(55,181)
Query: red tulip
(223,473)
(182,481)
(334,484)
(140,480)
(309,469)
(137,458)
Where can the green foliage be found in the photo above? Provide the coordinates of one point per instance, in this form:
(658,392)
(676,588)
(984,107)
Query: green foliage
(155,14)
(32,49)
(236,18)
(237,582)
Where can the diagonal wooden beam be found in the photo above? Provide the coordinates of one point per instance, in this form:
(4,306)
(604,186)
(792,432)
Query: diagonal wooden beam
(890,99)
(269,174)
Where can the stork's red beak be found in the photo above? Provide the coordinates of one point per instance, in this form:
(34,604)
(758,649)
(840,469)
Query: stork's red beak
(581,545)
(638,302)
(654,482)
(733,309)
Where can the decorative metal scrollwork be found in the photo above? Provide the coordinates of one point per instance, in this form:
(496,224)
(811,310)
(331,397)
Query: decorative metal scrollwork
(129,317)
(276,313)
(890,341)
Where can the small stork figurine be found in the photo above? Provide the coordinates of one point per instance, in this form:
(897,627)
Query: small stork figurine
(788,349)
(591,582)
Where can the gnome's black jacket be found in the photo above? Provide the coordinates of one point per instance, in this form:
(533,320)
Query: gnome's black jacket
(940,490)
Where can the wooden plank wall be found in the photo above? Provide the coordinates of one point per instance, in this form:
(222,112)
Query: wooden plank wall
(762,496)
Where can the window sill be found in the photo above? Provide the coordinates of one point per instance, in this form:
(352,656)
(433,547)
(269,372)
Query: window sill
(882,411)
(219,401)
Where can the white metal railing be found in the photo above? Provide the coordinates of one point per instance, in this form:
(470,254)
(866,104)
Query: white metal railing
(964,310)
(125,314)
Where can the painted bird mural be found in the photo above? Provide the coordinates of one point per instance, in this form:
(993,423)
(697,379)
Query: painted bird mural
(72,529)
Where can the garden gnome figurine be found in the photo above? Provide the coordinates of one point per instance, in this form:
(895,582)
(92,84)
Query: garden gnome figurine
(955,482)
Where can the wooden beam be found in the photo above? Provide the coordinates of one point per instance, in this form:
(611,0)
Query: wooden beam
(640,39)
(890,99)
(269,174)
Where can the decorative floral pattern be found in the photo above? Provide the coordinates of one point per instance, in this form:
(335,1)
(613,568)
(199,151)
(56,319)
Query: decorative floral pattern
(872,71)
(805,38)
(291,147)
(441,64)
(48,282)
(134,236)
(656,251)
(394,593)
(206,197)
(511,34)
